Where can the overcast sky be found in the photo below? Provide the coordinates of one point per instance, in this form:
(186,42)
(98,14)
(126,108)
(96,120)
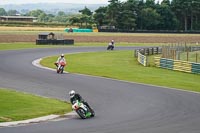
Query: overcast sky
(3,2)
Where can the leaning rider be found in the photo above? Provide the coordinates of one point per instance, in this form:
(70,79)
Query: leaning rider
(75,96)
(60,59)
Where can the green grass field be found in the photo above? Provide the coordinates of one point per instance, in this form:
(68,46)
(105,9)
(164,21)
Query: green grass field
(17,46)
(122,65)
(20,106)
(36,30)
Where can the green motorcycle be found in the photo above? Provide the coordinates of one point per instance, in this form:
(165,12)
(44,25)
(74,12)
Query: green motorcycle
(82,110)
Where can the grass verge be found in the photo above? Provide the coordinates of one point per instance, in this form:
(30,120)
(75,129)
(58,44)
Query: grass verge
(22,45)
(122,65)
(20,106)
(36,30)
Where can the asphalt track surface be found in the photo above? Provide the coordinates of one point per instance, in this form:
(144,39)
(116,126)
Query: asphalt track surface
(121,107)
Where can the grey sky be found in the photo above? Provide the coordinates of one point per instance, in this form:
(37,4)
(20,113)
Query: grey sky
(2,2)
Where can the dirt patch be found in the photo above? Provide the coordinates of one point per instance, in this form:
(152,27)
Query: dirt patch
(130,39)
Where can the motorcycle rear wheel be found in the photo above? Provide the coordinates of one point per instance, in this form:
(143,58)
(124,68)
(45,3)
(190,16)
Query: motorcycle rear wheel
(58,71)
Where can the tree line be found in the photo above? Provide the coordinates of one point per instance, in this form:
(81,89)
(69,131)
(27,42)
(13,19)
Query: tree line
(149,15)
(178,15)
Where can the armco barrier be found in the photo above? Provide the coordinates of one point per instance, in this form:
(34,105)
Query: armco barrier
(142,53)
(78,30)
(166,63)
(177,65)
(142,59)
(196,68)
(54,42)
(183,66)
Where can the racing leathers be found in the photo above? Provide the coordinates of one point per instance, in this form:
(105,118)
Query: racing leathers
(80,99)
(60,59)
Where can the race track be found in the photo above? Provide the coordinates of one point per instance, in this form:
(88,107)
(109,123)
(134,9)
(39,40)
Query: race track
(121,107)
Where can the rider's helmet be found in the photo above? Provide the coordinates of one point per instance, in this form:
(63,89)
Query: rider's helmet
(71,93)
(62,55)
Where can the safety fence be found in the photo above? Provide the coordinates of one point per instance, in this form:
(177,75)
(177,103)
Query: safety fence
(176,51)
(177,65)
(142,53)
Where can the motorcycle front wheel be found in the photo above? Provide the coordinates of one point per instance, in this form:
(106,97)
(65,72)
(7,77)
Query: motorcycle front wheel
(81,112)
(92,113)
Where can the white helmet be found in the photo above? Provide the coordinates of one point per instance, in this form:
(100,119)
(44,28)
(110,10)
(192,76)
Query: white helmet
(62,55)
(72,93)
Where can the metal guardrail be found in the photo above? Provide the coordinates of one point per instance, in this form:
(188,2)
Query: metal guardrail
(142,59)
(178,65)
(141,54)
(54,41)
(149,51)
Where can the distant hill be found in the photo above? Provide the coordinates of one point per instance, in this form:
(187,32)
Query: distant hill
(51,7)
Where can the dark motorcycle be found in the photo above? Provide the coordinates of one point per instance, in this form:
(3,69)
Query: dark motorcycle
(110,46)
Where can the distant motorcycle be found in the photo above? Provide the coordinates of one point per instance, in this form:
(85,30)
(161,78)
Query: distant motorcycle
(110,46)
(82,110)
(60,67)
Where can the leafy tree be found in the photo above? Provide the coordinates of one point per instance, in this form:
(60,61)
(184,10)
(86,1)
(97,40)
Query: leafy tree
(100,16)
(61,13)
(50,17)
(61,18)
(43,17)
(140,7)
(150,19)
(150,4)
(86,11)
(3,12)
(125,21)
(186,11)
(113,12)
(168,19)
(73,20)
(166,2)
(86,17)
(12,12)
(128,15)
(195,15)
(36,13)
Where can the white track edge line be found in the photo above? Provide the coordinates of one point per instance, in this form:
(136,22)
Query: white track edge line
(37,63)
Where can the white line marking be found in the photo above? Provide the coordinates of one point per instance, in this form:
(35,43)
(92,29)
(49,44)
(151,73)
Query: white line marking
(37,64)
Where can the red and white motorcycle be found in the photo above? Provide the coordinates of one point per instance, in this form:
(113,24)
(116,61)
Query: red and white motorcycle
(60,66)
